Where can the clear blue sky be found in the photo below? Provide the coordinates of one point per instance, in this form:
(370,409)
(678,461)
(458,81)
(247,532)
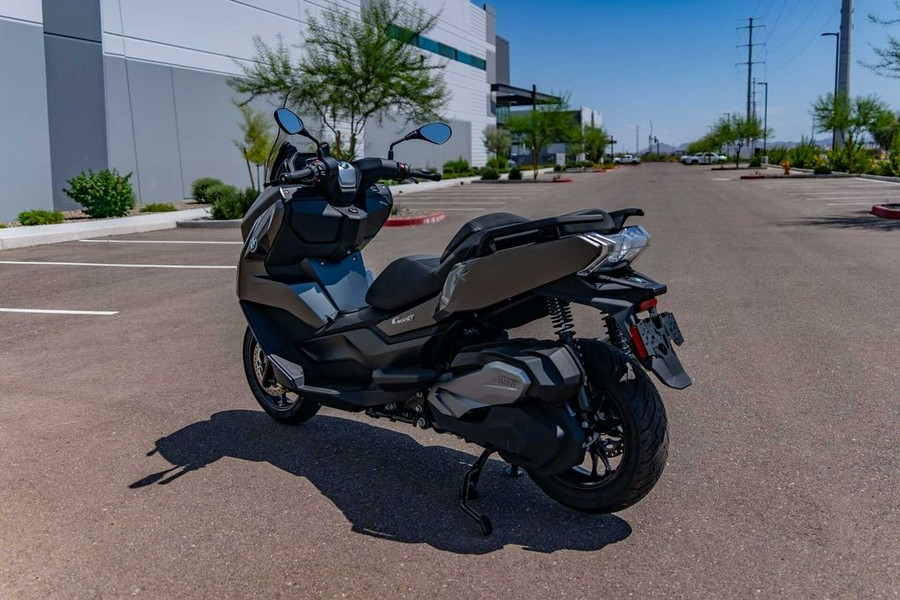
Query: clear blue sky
(674,61)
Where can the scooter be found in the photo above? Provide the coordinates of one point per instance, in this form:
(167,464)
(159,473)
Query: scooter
(427,343)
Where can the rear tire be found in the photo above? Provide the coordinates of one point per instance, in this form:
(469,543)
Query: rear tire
(620,387)
(281,405)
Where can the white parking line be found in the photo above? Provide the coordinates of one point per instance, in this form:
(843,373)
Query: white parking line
(155,242)
(131,266)
(436,202)
(441,208)
(870,198)
(44,311)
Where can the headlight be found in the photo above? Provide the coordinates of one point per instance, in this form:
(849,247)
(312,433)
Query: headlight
(622,248)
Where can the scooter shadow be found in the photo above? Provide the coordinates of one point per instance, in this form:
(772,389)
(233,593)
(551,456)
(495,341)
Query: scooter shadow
(388,485)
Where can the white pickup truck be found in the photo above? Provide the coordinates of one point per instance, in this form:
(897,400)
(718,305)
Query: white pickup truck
(703,158)
(627,159)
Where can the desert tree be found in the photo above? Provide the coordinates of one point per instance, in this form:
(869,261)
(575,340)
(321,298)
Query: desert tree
(354,69)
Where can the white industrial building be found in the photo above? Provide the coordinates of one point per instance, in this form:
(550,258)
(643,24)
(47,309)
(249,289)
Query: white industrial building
(142,87)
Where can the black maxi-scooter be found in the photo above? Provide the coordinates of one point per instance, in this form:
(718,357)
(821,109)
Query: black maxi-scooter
(427,343)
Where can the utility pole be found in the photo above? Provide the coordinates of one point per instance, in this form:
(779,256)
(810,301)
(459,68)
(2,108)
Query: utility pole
(637,137)
(765,118)
(837,76)
(846,29)
(750,64)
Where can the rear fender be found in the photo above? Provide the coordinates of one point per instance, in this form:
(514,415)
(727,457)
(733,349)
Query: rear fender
(618,297)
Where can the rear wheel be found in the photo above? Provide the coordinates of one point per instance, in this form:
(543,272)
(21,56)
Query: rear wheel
(629,438)
(283,406)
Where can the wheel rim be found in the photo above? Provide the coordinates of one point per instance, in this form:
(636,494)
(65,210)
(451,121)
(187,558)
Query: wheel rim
(607,452)
(270,391)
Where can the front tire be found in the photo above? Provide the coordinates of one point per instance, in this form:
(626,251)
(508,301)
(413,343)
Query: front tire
(281,405)
(633,419)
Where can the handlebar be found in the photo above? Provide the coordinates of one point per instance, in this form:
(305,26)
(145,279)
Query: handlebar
(298,176)
(425,175)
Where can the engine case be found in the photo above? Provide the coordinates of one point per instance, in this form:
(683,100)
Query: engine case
(512,398)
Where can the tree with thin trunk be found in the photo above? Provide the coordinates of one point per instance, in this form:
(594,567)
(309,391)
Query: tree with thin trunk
(888,64)
(594,141)
(737,131)
(885,129)
(543,125)
(354,69)
(850,117)
(257,140)
(496,141)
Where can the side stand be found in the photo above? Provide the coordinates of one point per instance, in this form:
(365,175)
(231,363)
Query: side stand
(468,492)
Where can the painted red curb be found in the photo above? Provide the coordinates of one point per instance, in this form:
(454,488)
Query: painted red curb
(420,220)
(563,180)
(886,211)
(753,176)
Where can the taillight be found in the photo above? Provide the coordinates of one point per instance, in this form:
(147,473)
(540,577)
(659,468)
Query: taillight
(647,304)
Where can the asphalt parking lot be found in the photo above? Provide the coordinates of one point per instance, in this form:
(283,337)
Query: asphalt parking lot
(136,462)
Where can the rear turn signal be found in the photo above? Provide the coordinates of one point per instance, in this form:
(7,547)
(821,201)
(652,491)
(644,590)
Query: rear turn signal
(647,304)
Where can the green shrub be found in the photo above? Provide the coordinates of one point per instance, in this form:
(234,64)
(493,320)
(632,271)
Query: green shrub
(755,162)
(230,203)
(494,163)
(102,194)
(515,174)
(158,208)
(200,187)
(886,168)
(806,155)
(2,225)
(40,217)
(460,165)
(490,174)
(822,170)
(777,154)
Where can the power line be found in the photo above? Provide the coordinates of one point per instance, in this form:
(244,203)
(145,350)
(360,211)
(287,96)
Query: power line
(809,43)
(777,19)
(798,28)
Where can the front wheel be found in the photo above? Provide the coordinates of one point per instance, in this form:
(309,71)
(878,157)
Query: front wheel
(630,441)
(281,405)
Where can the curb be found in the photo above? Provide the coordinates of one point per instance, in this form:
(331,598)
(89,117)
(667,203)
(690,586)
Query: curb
(428,219)
(562,180)
(886,211)
(207,223)
(38,235)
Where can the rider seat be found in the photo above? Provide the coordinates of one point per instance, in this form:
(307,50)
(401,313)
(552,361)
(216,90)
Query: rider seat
(411,279)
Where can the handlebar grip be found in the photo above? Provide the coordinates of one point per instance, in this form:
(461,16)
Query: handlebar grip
(425,175)
(298,176)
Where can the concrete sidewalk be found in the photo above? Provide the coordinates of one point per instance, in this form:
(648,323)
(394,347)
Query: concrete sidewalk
(36,235)
(428,186)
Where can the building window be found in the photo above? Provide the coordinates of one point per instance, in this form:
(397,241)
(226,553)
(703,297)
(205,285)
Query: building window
(435,47)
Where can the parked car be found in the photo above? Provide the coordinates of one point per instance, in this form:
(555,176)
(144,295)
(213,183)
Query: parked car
(627,159)
(703,158)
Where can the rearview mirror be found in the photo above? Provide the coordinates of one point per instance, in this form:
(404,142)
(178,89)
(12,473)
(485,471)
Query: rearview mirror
(436,133)
(289,122)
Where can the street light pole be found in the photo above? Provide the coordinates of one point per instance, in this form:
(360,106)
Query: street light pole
(837,74)
(765,118)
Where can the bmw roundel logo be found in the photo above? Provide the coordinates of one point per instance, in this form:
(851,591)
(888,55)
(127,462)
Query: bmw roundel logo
(253,244)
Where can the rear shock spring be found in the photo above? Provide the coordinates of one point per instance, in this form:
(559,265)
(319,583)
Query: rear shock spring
(616,335)
(561,319)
